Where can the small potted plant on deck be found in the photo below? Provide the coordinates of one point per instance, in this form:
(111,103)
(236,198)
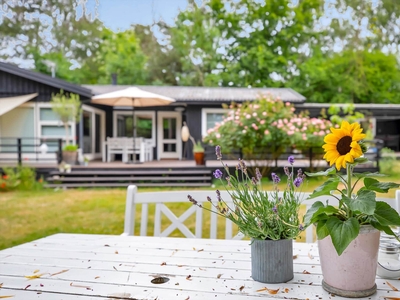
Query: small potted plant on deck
(270,219)
(198,153)
(68,108)
(348,234)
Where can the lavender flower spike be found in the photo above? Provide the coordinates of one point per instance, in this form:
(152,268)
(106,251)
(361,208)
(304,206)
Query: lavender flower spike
(298,181)
(275,178)
(291,159)
(218,152)
(217,174)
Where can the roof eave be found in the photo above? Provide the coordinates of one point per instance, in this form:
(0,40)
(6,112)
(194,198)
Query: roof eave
(45,79)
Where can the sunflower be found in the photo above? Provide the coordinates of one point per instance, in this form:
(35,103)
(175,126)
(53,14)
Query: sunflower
(341,146)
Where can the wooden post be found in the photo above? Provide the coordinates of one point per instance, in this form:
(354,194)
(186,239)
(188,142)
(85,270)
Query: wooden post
(19,146)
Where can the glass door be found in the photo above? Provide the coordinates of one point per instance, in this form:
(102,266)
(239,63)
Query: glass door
(169,139)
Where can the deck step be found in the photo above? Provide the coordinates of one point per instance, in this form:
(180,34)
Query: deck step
(122,178)
(113,184)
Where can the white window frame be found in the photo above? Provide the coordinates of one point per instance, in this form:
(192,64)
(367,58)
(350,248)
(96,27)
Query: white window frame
(102,114)
(58,123)
(137,113)
(204,113)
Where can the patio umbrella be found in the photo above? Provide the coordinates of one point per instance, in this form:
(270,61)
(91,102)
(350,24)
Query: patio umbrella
(133,97)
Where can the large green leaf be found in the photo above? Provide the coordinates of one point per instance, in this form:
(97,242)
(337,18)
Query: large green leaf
(364,203)
(329,171)
(311,211)
(380,227)
(380,187)
(386,215)
(325,188)
(322,230)
(318,211)
(368,175)
(342,232)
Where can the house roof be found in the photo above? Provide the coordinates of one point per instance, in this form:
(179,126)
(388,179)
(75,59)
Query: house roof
(207,94)
(45,79)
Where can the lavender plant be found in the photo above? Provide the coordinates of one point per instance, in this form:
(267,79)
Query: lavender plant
(259,214)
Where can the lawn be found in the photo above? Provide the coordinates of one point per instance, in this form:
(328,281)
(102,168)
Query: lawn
(29,215)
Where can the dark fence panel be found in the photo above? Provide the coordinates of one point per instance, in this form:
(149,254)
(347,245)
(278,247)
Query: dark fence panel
(20,146)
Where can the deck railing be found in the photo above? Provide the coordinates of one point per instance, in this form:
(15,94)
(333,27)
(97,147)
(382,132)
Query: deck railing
(37,149)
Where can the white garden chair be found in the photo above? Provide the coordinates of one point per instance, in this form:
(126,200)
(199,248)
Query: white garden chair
(161,199)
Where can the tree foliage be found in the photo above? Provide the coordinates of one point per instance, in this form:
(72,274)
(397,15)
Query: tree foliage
(329,51)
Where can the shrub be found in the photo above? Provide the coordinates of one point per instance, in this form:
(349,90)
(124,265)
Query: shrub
(267,125)
(19,178)
(387,161)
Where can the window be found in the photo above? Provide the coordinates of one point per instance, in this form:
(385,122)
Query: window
(144,121)
(210,117)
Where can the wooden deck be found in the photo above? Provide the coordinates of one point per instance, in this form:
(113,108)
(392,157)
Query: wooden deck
(178,173)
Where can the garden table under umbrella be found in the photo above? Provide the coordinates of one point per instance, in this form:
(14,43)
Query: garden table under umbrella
(132,97)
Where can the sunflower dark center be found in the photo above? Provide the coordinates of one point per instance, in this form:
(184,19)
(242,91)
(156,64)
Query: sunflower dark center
(343,146)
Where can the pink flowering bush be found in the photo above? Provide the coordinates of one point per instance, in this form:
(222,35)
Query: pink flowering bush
(267,126)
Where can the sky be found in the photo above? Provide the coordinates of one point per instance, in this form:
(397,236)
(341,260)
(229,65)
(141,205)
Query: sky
(120,14)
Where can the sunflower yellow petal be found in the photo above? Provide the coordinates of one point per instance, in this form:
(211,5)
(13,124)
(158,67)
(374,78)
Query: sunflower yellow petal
(331,139)
(339,162)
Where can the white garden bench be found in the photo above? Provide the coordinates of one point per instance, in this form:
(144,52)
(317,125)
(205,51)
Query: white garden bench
(161,199)
(124,146)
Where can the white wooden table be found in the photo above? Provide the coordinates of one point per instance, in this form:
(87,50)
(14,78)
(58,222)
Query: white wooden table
(83,266)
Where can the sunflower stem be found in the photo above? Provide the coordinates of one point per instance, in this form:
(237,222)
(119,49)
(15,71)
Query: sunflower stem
(349,187)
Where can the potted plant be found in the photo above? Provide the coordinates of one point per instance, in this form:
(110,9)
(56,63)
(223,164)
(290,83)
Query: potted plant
(348,234)
(68,108)
(270,219)
(85,161)
(198,153)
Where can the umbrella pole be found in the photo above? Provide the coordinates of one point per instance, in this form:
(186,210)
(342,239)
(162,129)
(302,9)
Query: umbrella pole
(134,160)
(134,133)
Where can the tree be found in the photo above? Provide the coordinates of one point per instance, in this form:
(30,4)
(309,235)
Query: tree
(63,31)
(350,76)
(68,108)
(120,53)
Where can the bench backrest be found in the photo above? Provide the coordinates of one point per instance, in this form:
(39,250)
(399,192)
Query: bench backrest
(160,199)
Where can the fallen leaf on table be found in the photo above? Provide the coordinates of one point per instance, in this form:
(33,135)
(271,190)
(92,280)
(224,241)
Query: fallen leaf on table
(270,291)
(189,277)
(219,275)
(62,271)
(1,284)
(163,263)
(241,288)
(118,295)
(97,277)
(310,255)
(392,298)
(306,272)
(188,297)
(115,268)
(80,286)
(8,296)
(116,252)
(391,286)
(200,250)
(35,271)
(27,286)
(294,256)
(35,276)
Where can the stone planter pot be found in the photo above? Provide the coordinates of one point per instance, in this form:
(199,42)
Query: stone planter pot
(353,273)
(199,158)
(272,261)
(70,157)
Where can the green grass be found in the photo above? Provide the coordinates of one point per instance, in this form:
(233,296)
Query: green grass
(29,215)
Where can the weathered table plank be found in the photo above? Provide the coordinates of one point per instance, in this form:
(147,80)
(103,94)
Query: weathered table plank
(77,266)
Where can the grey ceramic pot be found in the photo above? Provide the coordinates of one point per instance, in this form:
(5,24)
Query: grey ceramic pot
(272,261)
